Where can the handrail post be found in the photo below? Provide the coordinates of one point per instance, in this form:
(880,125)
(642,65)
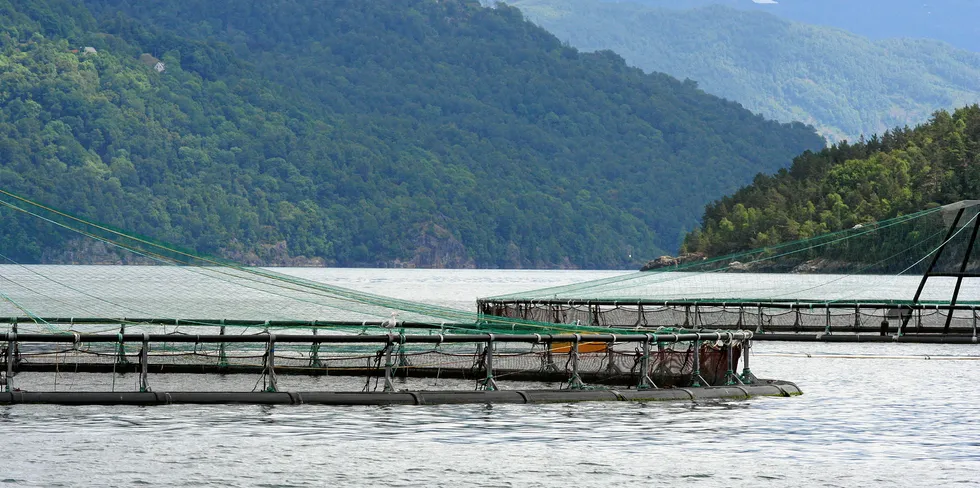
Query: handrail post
(402,358)
(11,345)
(489,383)
(389,364)
(696,377)
(121,359)
(747,377)
(646,382)
(549,365)
(222,354)
(15,346)
(144,359)
(611,367)
(270,364)
(575,382)
(315,353)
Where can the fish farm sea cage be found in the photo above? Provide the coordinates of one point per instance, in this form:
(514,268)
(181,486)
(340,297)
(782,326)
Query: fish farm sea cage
(197,314)
(760,317)
(667,334)
(666,359)
(914,275)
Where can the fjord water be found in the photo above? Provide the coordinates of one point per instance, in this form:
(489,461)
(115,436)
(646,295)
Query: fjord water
(871,415)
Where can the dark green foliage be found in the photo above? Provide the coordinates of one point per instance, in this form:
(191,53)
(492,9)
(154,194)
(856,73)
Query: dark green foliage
(843,84)
(436,133)
(901,172)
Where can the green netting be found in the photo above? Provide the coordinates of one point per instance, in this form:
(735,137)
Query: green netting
(188,289)
(879,262)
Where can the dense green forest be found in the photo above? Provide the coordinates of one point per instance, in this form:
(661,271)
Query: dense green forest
(900,172)
(390,132)
(843,84)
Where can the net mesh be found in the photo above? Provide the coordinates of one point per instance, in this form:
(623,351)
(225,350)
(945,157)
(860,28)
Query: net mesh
(165,282)
(668,365)
(850,279)
(149,287)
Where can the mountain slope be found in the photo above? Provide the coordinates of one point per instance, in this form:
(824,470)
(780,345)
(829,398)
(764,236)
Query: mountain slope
(843,84)
(952,21)
(359,133)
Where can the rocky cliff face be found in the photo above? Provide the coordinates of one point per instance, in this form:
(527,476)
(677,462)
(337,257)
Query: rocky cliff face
(437,248)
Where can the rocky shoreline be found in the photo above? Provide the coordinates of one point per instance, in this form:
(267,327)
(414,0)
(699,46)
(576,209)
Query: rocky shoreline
(791,266)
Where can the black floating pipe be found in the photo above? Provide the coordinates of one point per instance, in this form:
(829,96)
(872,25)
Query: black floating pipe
(765,388)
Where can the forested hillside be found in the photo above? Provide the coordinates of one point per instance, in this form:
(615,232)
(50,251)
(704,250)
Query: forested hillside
(901,172)
(843,84)
(952,21)
(419,132)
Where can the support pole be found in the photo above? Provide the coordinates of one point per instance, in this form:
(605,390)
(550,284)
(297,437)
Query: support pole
(747,377)
(315,353)
(403,361)
(575,382)
(549,357)
(611,367)
(144,360)
(222,354)
(389,364)
(645,382)
(11,344)
(121,352)
(696,378)
(16,347)
(959,278)
(270,364)
(932,265)
(489,383)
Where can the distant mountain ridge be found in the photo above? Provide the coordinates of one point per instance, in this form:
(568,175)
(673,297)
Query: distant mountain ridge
(843,84)
(952,21)
(351,133)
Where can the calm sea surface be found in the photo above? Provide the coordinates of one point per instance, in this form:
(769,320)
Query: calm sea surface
(871,415)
